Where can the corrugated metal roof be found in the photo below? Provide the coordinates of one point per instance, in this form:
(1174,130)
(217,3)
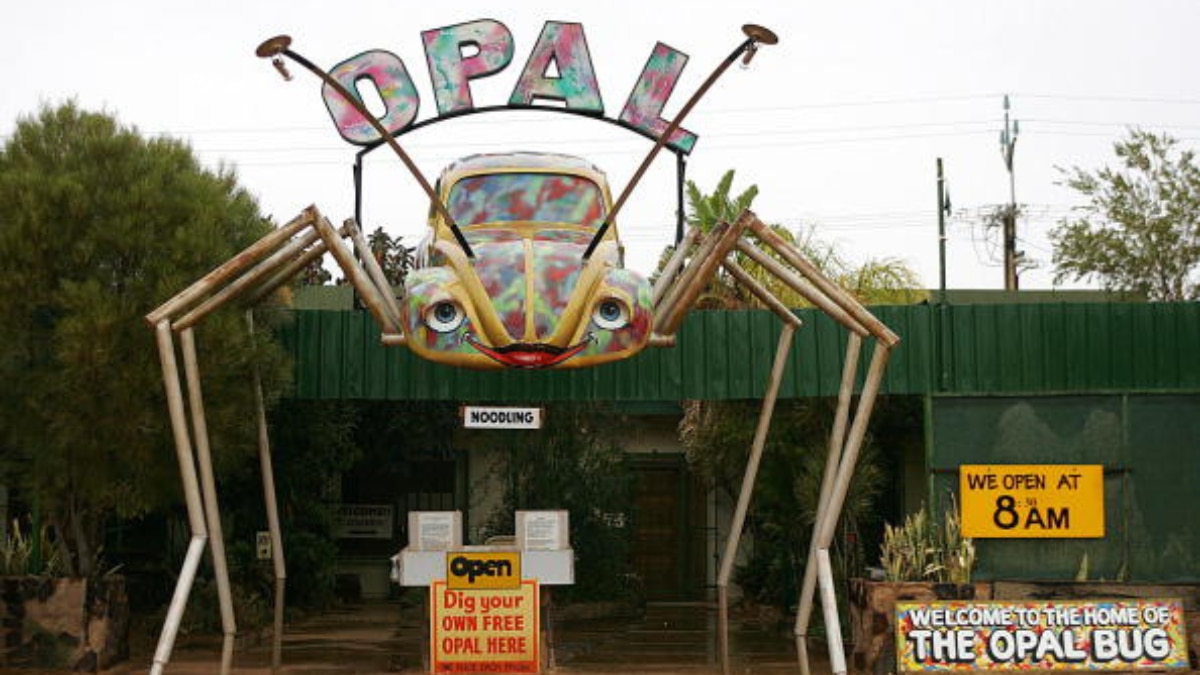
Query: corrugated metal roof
(727,355)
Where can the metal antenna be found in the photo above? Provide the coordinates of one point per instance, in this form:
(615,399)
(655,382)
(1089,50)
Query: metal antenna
(755,35)
(279,46)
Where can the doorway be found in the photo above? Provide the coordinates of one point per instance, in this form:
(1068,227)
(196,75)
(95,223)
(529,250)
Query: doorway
(669,529)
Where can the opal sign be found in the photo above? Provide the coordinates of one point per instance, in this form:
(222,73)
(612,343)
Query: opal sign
(559,69)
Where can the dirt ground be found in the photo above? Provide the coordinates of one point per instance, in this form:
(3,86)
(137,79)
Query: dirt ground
(387,637)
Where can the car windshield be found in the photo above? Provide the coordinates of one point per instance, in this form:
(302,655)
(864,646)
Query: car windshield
(538,197)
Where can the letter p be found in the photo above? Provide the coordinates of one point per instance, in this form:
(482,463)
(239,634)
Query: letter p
(451,71)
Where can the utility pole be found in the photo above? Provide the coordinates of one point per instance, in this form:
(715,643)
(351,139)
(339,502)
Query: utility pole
(940,337)
(943,207)
(1008,143)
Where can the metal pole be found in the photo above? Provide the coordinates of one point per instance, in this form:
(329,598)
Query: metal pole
(836,293)
(755,35)
(208,487)
(827,524)
(833,460)
(277,47)
(680,217)
(748,480)
(191,492)
(833,627)
(232,266)
(941,211)
(374,271)
(271,503)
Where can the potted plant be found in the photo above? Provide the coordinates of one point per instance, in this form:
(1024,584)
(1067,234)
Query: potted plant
(49,620)
(922,560)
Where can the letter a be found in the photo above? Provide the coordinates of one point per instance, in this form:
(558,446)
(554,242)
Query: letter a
(452,72)
(564,46)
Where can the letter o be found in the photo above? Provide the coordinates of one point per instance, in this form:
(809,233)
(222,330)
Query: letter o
(386,72)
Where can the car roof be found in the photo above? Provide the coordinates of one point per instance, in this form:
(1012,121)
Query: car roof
(516,161)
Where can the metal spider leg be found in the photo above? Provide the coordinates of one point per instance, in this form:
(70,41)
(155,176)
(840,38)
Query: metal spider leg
(677,290)
(249,276)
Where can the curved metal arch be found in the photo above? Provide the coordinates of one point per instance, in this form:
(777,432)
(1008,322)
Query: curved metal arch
(521,108)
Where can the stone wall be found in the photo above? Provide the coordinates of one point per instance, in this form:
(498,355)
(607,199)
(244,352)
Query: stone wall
(63,623)
(873,616)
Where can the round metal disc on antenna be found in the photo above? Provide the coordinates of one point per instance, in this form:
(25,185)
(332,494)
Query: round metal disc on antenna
(274,46)
(760,34)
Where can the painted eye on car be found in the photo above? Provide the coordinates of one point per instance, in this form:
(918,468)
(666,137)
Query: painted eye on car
(444,317)
(611,314)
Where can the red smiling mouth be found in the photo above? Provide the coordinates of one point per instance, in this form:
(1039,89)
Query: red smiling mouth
(528,354)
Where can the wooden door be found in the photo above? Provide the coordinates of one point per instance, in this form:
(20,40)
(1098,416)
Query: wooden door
(668,531)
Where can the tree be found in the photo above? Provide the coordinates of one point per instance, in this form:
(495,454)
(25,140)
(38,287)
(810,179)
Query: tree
(99,225)
(393,257)
(878,280)
(576,464)
(1140,229)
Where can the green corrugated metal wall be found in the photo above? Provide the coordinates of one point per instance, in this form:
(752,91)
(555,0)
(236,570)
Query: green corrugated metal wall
(984,349)
(1148,444)
(1073,347)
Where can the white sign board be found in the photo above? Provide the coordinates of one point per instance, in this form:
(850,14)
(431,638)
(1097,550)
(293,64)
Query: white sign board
(434,530)
(543,530)
(476,417)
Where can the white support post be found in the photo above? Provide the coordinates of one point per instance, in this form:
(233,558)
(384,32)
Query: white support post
(191,493)
(830,511)
(833,459)
(833,627)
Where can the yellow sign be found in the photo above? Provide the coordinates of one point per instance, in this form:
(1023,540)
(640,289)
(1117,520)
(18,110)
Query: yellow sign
(488,631)
(1032,501)
(472,570)
(1101,634)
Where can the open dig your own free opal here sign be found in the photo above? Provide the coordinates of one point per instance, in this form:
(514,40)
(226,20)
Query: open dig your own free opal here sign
(485,631)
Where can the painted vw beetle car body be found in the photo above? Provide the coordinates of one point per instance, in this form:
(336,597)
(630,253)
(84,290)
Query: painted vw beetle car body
(527,298)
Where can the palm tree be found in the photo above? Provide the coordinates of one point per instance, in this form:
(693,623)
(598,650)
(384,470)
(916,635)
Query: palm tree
(876,281)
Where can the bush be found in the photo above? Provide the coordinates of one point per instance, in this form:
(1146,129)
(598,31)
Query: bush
(920,550)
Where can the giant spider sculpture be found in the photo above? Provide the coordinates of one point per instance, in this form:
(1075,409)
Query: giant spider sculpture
(522,270)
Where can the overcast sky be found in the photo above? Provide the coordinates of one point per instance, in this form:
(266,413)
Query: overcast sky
(840,124)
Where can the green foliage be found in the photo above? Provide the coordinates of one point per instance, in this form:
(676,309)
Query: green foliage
(719,434)
(314,445)
(1140,229)
(921,550)
(783,512)
(17,554)
(99,225)
(570,464)
(876,281)
(393,257)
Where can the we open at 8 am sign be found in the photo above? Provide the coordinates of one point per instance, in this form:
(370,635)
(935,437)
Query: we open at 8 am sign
(485,631)
(1043,635)
(1032,501)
